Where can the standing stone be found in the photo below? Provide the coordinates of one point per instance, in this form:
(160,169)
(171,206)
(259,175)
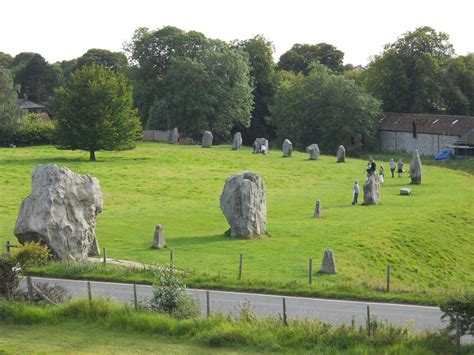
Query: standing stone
(243,204)
(329,262)
(174,136)
(415,168)
(207,139)
(313,151)
(258,144)
(237,142)
(318,211)
(341,154)
(61,212)
(372,190)
(159,241)
(287,148)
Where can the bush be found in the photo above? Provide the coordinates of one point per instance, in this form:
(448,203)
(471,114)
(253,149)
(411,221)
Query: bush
(460,309)
(55,293)
(32,254)
(9,277)
(32,130)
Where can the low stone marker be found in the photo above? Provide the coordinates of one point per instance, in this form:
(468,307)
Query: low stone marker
(372,190)
(313,151)
(287,148)
(174,136)
(207,139)
(329,262)
(415,168)
(405,191)
(341,154)
(159,241)
(237,142)
(318,210)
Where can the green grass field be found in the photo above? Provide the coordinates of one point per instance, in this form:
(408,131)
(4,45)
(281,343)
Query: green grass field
(427,237)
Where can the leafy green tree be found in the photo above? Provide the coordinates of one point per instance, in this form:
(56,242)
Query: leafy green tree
(95,112)
(299,58)
(159,116)
(323,108)
(112,60)
(9,110)
(5,60)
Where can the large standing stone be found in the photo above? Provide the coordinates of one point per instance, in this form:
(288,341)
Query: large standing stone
(341,154)
(415,168)
(257,144)
(318,210)
(61,212)
(159,241)
(207,139)
(174,136)
(372,190)
(287,148)
(237,142)
(243,204)
(313,151)
(329,262)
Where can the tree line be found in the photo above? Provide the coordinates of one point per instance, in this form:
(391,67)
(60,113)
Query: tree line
(183,79)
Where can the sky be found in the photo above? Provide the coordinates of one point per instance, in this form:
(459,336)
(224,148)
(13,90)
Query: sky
(63,30)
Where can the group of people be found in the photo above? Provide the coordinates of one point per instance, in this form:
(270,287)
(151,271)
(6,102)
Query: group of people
(259,148)
(371,170)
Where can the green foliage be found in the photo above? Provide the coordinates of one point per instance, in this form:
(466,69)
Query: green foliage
(33,130)
(95,112)
(301,56)
(116,61)
(323,108)
(32,254)
(9,277)
(5,60)
(159,116)
(9,110)
(460,313)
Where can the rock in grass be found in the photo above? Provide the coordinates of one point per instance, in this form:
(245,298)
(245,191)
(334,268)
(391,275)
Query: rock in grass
(159,241)
(329,263)
(237,142)
(313,151)
(207,139)
(372,190)
(405,191)
(341,154)
(61,212)
(287,148)
(415,168)
(244,206)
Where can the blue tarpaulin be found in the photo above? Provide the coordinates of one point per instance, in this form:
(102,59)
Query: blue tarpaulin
(444,155)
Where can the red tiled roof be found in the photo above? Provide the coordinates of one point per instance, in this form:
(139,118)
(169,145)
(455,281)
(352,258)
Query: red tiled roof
(425,123)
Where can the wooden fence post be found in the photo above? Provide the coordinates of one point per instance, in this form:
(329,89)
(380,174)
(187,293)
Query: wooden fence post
(8,247)
(135,300)
(285,319)
(310,271)
(29,285)
(240,265)
(105,257)
(89,292)
(388,277)
(208,304)
(171,257)
(368,322)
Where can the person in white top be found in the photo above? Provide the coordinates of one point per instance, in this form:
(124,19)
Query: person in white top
(356,192)
(392,166)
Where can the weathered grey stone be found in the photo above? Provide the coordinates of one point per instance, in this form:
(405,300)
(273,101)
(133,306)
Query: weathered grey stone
(318,210)
(237,142)
(313,151)
(287,148)
(415,168)
(341,154)
(257,144)
(207,139)
(174,136)
(61,212)
(159,241)
(243,204)
(405,191)
(329,262)
(372,190)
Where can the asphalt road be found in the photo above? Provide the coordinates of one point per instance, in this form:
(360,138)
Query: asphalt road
(331,311)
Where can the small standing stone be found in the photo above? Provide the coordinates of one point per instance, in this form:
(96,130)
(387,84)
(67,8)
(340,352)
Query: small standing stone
(313,151)
(341,154)
(287,148)
(207,139)
(159,241)
(415,168)
(318,211)
(174,136)
(329,262)
(405,191)
(237,142)
(372,190)
(258,143)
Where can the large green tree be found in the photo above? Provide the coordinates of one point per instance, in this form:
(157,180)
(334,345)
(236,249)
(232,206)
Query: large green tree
(9,110)
(299,58)
(112,60)
(5,60)
(95,112)
(323,108)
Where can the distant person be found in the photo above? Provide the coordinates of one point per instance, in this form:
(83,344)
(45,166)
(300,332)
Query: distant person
(371,167)
(392,167)
(356,192)
(400,167)
(263,149)
(254,146)
(381,174)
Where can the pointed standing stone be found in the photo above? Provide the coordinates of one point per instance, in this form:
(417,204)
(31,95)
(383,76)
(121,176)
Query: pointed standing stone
(287,148)
(318,211)
(341,154)
(415,168)
(237,142)
(329,262)
(313,151)
(207,139)
(159,241)
(372,190)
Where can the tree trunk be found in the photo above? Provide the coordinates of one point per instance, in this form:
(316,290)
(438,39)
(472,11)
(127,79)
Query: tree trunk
(92,155)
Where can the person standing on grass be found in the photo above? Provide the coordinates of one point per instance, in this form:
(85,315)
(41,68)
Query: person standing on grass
(381,174)
(400,167)
(392,167)
(356,192)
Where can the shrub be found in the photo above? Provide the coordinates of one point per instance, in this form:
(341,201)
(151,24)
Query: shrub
(32,254)
(55,293)
(33,130)
(9,276)
(460,310)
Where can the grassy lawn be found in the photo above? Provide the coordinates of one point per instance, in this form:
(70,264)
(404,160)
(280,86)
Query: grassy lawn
(427,237)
